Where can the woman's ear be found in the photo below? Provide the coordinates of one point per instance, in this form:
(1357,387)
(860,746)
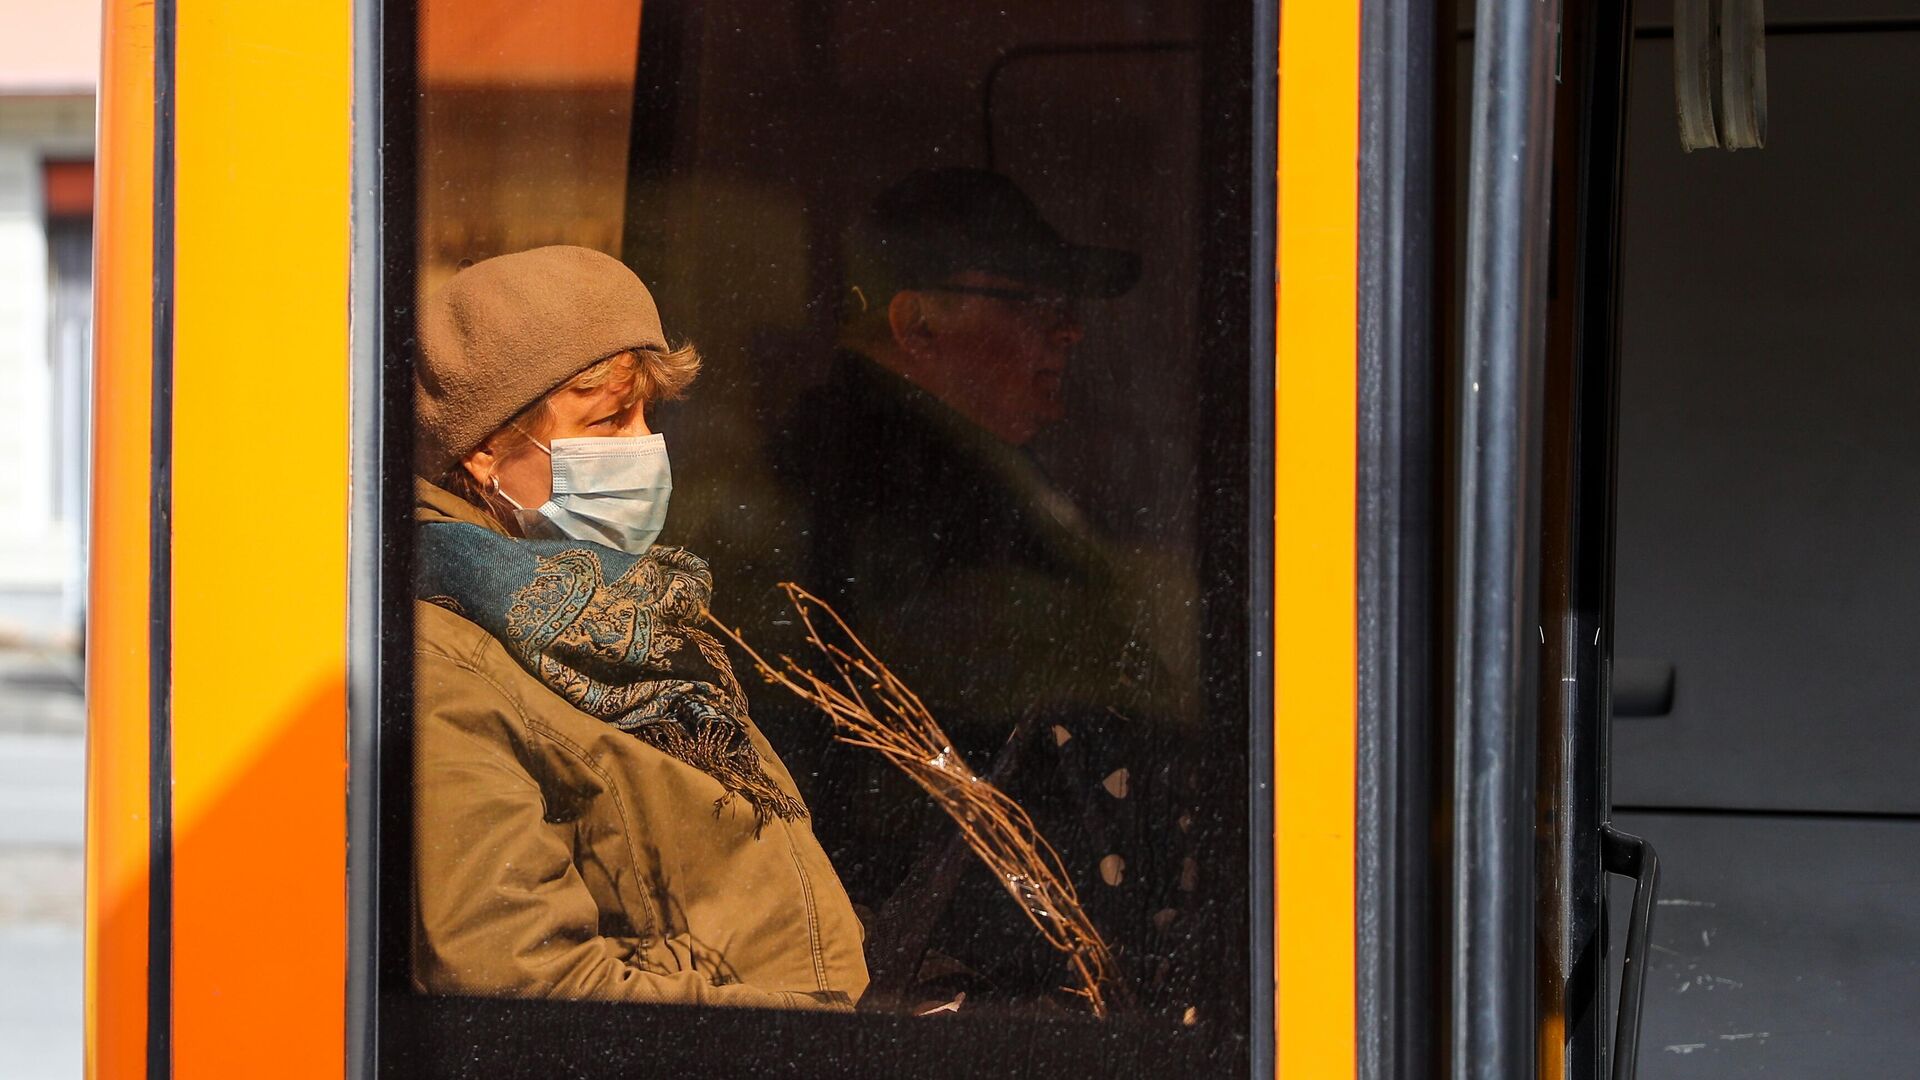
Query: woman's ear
(480,466)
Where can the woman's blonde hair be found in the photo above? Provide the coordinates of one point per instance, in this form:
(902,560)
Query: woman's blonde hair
(639,375)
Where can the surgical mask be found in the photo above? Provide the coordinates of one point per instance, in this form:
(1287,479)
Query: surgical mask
(610,491)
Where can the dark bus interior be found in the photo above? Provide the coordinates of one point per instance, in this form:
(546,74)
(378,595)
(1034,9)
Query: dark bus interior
(1759,515)
(1768,511)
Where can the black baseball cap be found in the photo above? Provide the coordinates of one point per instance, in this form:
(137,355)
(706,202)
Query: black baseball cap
(935,223)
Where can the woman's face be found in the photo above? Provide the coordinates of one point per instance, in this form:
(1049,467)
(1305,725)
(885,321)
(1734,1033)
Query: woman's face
(594,412)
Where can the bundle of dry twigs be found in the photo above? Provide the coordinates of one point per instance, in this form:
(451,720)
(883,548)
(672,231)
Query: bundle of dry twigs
(870,707)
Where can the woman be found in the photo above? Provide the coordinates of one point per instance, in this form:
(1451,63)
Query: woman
(596,814)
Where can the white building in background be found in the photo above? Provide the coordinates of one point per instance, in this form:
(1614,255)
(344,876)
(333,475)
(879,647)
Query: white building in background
(49,61)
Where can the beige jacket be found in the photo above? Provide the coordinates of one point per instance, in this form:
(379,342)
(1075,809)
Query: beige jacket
(556,856)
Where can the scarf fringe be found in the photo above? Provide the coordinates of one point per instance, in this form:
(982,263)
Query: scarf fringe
(719,748)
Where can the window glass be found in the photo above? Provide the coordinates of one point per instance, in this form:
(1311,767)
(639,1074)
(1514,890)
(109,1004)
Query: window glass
(524,123)
(921,327)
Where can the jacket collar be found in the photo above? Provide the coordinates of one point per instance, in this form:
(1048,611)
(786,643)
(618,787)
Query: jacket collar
(433,503)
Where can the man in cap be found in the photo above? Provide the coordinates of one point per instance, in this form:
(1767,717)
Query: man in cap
(971,296)
(941,541)
(931,526)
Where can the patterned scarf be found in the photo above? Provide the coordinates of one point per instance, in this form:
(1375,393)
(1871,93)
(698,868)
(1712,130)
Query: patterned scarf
(616,636)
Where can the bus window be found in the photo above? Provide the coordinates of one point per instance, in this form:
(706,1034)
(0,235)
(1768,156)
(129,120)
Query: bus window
(748,337)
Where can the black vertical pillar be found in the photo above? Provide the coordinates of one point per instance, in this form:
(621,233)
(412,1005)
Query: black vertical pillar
(1495,628)
(1395,531)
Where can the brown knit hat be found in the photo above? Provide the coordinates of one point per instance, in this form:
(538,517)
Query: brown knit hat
(508,330)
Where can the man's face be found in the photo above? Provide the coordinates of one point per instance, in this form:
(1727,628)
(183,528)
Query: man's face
(997,351)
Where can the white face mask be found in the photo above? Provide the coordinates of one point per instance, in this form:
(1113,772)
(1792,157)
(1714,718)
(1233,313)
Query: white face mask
(610,491)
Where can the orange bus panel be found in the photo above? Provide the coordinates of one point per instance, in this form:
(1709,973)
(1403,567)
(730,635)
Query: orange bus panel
(1315,628)
(118,718)
(260,491)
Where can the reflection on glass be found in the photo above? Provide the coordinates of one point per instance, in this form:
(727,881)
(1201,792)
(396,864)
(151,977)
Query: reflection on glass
(524,122)
(948,290)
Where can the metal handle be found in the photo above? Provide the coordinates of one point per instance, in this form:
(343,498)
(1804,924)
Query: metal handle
(1630,856)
